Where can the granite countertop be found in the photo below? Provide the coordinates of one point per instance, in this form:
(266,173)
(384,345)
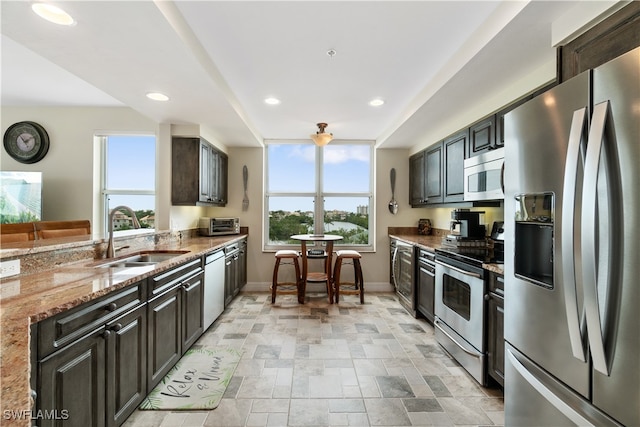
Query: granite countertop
(431,243)
(30,298)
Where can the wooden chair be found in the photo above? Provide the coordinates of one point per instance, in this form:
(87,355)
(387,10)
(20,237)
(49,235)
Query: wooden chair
(20,232)
(56,229)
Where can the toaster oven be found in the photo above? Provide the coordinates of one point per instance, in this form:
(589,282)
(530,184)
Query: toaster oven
(218,226)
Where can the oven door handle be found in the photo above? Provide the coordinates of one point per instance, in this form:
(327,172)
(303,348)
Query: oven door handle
(436,323)
(459,270)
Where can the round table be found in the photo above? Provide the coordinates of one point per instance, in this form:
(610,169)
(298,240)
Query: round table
(327,253)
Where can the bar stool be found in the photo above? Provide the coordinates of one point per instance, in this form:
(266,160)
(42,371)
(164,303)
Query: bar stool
(289,288)
(345,287)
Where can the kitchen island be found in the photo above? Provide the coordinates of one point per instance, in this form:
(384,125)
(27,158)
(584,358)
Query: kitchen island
(33,297)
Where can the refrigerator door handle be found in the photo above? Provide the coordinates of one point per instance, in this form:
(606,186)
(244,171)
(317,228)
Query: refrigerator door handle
(589,239)
(574,161)
(546,392)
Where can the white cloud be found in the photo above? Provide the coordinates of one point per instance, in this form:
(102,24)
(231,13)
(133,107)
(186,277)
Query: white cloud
(340,153)
(306,153)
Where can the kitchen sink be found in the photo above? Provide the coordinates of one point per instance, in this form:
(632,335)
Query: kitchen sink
(143,258)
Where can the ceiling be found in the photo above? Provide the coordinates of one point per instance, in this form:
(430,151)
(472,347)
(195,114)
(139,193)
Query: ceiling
(219,60)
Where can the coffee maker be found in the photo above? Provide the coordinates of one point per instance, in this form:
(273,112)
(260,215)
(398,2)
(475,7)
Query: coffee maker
(465,224)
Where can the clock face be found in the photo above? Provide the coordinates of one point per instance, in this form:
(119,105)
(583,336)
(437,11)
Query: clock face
(26,142)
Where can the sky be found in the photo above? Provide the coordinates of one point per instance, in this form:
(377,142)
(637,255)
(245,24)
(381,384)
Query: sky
(346,168)
(131,163)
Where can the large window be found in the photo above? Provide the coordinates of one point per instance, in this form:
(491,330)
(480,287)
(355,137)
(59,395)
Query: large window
(128,179)
(319,190)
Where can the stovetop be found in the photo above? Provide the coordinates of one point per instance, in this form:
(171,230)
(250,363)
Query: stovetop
(474,255)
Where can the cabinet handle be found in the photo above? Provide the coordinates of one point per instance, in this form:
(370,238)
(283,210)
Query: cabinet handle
(185,286)
(487,297)
(111,307)
(106,334)
(116,327)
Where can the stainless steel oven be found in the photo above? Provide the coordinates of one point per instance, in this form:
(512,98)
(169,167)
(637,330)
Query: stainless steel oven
(402,274)
(460,313)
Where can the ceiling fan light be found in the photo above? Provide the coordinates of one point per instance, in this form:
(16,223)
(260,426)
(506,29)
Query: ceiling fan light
(321,138)
(53,14)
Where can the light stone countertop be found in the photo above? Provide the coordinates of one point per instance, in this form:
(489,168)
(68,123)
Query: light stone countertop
(26,299)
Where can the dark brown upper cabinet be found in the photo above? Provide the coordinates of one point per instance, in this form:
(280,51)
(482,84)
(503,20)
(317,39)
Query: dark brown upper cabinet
(417,179)
(199,173)
(454,148)
(614,36)
(434,174)
(482,136)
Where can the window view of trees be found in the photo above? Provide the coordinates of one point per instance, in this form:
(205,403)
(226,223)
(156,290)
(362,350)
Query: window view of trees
(352,226)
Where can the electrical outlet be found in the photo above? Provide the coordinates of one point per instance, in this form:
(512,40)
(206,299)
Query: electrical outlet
(9,268)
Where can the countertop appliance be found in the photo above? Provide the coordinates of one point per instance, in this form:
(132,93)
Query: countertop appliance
(402,274)
(571,210)
(465,224)
(218,226)
(497,241)
(484,176)
(213,287)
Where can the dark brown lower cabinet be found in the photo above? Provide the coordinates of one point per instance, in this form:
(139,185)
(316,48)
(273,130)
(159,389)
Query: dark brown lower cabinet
(72,383)
(99,379)
(175,322)
(94,364)
(126,365)
(164,338)
(426,284)
(496,328)
(192,308)
(235,270)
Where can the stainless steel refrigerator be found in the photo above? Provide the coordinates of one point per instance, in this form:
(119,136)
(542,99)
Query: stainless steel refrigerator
(572,252)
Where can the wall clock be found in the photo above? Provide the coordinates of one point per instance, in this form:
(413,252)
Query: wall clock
(27,142)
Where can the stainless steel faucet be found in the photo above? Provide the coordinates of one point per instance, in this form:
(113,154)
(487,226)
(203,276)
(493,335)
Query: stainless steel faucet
(110,249)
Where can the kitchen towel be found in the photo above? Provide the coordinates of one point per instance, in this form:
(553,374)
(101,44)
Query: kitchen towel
(197,381)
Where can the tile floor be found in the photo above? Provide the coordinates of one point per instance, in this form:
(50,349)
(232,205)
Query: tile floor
(335,365)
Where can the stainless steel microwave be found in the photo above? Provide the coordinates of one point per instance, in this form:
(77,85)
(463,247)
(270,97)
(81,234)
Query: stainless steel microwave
(218,226)
(484,176)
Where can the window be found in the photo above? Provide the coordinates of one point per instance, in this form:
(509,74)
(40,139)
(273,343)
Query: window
(128,179)
(319,190)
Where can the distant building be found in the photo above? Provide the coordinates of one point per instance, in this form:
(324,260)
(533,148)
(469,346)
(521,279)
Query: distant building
(121,221)
(362,210)
(150,220)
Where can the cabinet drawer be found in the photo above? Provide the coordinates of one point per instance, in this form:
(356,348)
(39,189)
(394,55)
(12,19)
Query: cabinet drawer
(496,284)
(173,277)
(61,329)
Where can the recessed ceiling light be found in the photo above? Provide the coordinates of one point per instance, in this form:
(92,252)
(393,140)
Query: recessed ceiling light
(376,102)
(272,101)
(53,14)
(157,96)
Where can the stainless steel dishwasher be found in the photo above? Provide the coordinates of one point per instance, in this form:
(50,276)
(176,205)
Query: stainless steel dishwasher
(213,287)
